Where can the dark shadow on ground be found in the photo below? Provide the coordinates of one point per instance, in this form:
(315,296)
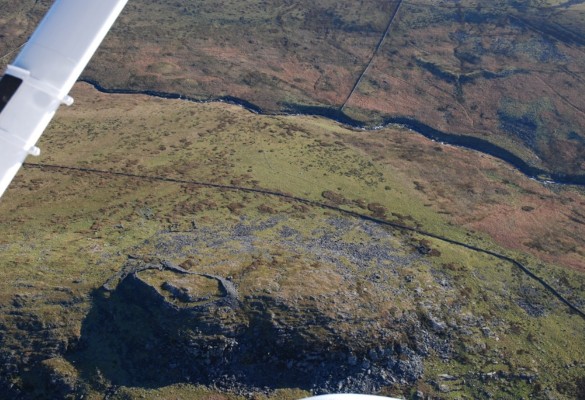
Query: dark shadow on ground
(133,336)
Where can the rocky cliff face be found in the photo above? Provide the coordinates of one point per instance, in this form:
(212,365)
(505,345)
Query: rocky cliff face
(143,335)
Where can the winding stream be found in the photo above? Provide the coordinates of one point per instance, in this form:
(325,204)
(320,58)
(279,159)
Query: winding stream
(468,142)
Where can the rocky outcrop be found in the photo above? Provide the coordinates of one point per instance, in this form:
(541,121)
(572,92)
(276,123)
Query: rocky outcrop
(256,343)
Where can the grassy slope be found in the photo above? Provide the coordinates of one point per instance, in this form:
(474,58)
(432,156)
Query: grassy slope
(65,234)
(433,67)
(507,72)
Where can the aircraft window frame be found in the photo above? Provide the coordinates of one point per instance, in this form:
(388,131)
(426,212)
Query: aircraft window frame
(8,86)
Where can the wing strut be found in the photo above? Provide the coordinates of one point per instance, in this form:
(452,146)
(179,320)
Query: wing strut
(43,73)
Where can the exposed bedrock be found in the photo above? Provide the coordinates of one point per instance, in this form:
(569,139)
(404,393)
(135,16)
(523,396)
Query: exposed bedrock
(141,335)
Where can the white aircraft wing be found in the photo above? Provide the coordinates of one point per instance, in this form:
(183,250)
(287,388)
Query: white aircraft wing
(44,72)
(349,397)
